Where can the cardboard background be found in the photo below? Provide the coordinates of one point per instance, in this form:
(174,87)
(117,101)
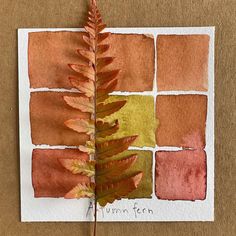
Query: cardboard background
(119,13)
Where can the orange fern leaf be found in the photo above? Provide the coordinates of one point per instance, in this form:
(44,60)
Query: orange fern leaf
(81,103)
(82,190)
(103,110)
(104,129)
(81,126)
(109,192)
(111,169)
(112,147)
(76,166)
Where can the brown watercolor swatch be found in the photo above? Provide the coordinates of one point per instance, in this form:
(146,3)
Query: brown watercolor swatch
(181,175)
(50,52)
(182,62)
(182,120)
(48,112)
(50,178)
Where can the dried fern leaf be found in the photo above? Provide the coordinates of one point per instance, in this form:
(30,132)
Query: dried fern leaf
(109,192)
(76,166)
(102,37)
(102,48)
(84,86)
(104,129)
(110,148)
(103,110)
(89,41)
(103,91)
(81,190)
(85,70)
(89,147)
(86,54)
(109,170)
(96,82)
(81,103)
(81,126)
(106,77)
(102,62)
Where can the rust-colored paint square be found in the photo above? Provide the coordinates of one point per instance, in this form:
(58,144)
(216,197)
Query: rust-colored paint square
(134,55)
(182,62)
(48,112)
(182,120)
(50,53)
(181,175)
(50,178)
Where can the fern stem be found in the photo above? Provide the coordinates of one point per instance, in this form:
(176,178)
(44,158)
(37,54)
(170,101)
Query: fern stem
(95,105)
(95,218)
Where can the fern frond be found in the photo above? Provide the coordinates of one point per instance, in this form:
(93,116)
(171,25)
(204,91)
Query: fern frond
(95,81)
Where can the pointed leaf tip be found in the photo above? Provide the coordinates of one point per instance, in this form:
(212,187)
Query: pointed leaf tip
(83,104)
(104,110)
(109,170)
(78,166)
(88,55)
(85,86)
(105,128)
(112,147)
(81,190)
(109,192)
(81,126)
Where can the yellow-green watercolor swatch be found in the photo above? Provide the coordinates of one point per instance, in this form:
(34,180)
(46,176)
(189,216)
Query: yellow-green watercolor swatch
(137,117)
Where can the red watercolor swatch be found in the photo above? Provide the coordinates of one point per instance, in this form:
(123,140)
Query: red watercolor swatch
(50,178)
(181,175)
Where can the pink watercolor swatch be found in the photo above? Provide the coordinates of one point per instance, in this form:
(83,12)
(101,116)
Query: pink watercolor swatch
(181,175)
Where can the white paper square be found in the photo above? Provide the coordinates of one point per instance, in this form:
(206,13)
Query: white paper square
(53,209)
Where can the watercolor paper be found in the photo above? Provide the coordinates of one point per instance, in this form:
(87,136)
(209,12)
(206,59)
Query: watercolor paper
(167,79)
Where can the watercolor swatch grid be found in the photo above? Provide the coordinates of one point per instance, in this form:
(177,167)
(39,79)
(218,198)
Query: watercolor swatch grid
(167,79)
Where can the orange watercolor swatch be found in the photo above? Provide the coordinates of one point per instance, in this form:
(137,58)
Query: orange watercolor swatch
(182,120)
(48,112)
(182,62)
